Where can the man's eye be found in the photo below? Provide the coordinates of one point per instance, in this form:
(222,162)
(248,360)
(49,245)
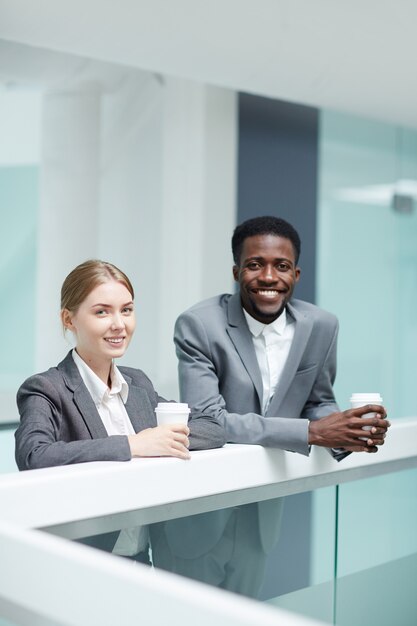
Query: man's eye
(283,267)
(253,266)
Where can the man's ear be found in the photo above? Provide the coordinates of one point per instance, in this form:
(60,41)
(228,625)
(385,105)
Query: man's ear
(297,274)
(236,273)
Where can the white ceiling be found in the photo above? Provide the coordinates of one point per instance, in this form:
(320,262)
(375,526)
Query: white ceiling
(356,56)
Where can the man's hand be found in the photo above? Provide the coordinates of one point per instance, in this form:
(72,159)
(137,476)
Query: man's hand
(345,429)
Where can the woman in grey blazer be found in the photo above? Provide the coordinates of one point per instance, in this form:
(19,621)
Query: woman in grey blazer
(86,408)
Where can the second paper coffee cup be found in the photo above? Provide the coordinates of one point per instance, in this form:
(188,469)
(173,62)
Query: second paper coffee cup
(172,413)
(360,399)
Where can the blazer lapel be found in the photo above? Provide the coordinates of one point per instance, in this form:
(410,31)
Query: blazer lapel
(138,407)
(82,398)
(303,326)
(241,338)
(88,410)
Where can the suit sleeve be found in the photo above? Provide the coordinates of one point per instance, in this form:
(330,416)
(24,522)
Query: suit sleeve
(38,441)
(200,387)
(206,432)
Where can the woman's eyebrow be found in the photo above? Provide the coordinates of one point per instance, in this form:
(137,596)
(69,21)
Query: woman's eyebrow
(108,306)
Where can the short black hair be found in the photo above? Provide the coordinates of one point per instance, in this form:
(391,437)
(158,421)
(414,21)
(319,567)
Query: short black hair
(266,225)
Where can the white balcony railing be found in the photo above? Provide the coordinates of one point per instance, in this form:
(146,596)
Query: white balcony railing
(51,580)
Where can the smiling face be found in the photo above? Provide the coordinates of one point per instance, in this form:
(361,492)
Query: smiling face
(102,325)
(267,274)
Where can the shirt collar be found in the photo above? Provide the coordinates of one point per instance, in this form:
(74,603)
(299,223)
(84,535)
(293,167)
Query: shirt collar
(257,328)
(99,390)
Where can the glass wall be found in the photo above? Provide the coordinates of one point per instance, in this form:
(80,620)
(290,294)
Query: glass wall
(20,114)
(367,255)
(367,276)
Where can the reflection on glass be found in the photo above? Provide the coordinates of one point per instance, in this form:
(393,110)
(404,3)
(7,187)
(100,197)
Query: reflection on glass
(314,597)
(227,549)
(280,551)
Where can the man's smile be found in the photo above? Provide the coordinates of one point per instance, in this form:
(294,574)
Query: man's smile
(267,293)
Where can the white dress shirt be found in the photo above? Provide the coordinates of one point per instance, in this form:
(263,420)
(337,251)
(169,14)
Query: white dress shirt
(272,343)
(110,405)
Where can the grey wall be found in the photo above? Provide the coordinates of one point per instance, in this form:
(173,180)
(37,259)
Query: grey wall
(277,172)
(277,175)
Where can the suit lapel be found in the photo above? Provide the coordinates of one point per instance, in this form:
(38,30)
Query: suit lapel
(88,410)
(241,338)
(303,326)
(82,398)
(138,407)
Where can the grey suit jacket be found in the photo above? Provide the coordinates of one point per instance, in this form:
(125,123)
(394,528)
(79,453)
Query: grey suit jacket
(60,424)
(219,373)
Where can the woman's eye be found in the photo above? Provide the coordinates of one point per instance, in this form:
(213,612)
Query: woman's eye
(128,309)
(100,312)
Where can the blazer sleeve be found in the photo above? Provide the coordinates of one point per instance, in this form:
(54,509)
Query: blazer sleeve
(206,432)
(38,442)
(200,387)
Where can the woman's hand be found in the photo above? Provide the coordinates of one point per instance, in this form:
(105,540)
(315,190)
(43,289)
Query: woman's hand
(166,440)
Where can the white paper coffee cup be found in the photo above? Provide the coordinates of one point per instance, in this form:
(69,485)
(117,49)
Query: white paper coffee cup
(360,399)
(172,413)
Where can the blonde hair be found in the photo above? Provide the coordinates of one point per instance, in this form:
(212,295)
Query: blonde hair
(85,277)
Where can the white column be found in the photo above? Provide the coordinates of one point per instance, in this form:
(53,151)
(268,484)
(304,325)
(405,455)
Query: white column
(163,208)
(198,207)
(130,201)
(67,228)
(167,204)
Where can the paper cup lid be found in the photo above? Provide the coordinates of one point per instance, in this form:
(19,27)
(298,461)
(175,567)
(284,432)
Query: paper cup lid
(366,398)
(173,407)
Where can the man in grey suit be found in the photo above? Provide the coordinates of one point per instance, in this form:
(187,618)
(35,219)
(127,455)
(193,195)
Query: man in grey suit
(263,365)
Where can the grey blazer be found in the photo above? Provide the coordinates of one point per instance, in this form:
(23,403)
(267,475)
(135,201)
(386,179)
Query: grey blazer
(59,422)
(219,373)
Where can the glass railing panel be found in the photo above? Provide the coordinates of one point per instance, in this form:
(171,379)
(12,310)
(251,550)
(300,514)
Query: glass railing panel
(264,550)
(315,599)
(377,551)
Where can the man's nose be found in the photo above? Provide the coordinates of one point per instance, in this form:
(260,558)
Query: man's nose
(268,274)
